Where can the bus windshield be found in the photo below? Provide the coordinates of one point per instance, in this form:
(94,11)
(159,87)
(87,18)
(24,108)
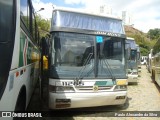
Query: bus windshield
(132,62)
(133,55)
(86,56)
(131,50)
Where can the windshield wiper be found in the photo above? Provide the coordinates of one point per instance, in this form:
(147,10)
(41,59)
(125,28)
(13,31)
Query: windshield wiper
(80,73)
(131,65)
(109,67)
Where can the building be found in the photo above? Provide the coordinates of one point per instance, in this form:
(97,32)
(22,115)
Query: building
(127,18)
(105,9)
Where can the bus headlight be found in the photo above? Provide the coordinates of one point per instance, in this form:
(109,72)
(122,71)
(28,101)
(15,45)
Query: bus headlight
(121,82)
(120,87)
(61,88)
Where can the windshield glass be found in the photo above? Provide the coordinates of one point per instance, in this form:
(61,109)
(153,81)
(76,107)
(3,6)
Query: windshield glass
(76,55)
(132,61)
(133,55)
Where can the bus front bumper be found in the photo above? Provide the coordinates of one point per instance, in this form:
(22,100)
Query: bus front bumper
(132,78)
(79,100)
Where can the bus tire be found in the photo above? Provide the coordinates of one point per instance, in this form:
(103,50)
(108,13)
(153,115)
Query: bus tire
(21,102)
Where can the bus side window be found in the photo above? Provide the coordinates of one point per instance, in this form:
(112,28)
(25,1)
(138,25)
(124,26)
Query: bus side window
(33,27)
(29,20)
(24,13)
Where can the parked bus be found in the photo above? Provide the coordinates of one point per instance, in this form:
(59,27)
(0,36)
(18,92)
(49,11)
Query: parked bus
(19,51)
(149,61)
(155,62)
(132,63)
(86,60)
(138,58)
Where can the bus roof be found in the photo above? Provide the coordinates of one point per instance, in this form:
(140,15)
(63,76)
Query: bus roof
(72,20)
(65,9)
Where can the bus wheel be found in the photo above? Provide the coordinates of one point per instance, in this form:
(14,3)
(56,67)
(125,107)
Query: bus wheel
(21,102)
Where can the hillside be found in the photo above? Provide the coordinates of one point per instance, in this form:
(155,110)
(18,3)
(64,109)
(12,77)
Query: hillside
(140,38)
(131,31)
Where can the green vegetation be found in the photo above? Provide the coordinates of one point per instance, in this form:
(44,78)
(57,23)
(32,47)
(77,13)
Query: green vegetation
(43,25)
(145,40)
(154,34)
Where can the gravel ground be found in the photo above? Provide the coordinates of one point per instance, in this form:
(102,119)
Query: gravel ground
(144,96)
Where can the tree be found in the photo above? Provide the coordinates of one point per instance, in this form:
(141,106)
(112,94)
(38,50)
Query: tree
(153,34)
(43,25)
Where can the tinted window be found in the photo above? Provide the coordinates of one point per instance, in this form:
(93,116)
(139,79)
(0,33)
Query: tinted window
(133,54)
(33,27)
(24,12)
(28,19)
(7,28)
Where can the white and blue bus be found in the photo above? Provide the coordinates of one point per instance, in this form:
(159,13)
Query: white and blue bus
(132,63)
(20,54)
(86,60)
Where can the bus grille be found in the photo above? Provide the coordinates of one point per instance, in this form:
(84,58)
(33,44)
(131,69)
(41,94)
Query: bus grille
(91,88)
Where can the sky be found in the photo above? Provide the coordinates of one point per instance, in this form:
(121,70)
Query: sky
(145,13)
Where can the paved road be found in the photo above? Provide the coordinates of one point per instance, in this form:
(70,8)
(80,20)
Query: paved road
(144,96)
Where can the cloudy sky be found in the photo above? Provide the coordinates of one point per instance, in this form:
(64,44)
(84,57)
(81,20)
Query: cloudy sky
(145,13)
